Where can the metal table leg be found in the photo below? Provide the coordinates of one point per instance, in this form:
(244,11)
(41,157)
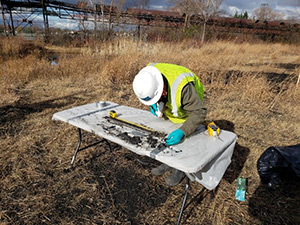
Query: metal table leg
(212,195)
(78,149)
(187,185)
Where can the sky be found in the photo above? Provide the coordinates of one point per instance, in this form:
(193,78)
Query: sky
(288,8)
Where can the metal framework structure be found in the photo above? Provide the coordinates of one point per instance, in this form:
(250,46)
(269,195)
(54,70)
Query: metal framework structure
(29,10)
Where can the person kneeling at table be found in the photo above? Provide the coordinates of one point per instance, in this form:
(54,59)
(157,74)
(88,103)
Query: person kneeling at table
(176,93)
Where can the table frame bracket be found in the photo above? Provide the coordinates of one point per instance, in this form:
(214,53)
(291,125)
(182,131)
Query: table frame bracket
(78,149)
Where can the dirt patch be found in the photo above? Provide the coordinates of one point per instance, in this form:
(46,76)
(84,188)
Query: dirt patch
(32,49)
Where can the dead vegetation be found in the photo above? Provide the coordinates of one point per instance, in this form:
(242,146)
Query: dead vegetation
(250,89)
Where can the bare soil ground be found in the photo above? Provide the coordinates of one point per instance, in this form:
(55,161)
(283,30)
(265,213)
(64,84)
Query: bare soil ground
(38,186)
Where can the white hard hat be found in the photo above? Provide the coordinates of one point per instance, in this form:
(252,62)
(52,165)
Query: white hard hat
(148,85)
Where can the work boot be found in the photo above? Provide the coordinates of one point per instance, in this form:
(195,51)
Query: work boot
(160,170)
(175,177)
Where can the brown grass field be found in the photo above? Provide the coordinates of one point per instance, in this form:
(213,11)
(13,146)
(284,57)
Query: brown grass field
(251,89)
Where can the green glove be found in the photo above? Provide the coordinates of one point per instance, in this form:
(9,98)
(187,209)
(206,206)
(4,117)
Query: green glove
(174,137)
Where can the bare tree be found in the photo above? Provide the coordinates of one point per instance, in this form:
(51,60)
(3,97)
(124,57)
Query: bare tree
(265,13)
(297,9)
(186,8)
(113,15)
(142,4)
(83,18)
(107,14)
(120,4)
(110,22)
(93,4)
(203,8)
(207,9)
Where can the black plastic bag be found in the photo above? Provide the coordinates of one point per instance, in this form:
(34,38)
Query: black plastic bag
(279,163)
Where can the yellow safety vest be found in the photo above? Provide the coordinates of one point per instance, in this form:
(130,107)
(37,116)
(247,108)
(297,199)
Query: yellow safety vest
(177,77)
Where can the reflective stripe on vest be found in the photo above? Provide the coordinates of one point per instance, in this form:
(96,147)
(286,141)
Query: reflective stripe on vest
(174,90)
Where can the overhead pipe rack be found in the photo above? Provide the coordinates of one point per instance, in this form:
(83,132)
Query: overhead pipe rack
(139,17)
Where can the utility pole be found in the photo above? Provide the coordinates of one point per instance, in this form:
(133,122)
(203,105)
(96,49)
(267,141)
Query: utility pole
(4,20)
(102,19)
(95,19)
(110,17)
(45,18)
(11,24)
(94,5)
(12,21)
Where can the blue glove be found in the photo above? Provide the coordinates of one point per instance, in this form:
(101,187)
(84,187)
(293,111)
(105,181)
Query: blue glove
(174,137)
(153,109)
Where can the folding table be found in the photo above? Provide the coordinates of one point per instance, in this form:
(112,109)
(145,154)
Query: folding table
(201,157)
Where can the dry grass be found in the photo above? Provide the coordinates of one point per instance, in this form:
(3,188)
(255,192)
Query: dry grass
(250,89)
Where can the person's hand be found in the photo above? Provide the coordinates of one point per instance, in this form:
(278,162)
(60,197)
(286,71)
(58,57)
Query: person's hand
(174,137)
(153,109)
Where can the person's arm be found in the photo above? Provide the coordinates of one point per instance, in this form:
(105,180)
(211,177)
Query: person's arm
(195,107)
